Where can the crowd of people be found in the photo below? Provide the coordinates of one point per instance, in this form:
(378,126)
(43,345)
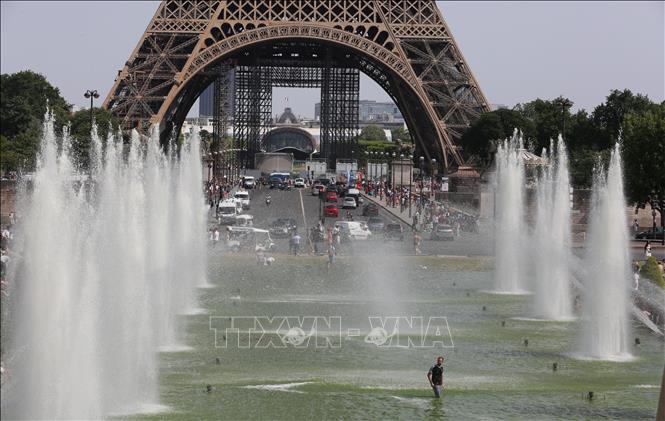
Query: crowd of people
(428,213)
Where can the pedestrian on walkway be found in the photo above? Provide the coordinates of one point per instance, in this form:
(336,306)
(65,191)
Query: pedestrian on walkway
(296,243)
(647,249)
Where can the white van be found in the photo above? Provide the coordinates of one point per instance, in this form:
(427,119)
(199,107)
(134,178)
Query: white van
(354,229)
(227,210)
(248,182)
(243,197)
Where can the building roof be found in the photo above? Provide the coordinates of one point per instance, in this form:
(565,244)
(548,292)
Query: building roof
(287,117)
(531,159)
(465,172)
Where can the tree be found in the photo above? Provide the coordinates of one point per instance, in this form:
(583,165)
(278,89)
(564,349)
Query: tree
(547,117)
(23,104)
(609,116)
(401,135)
(651,271)
(643,148)
(481,138)
(80,131)
(373,132)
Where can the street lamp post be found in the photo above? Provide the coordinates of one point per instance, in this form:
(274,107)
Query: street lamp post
(92,94)
(392,178)
(431,189)
(657,205)
(401,182)
(422,178)
(564,103)
(381,156)
(410,181)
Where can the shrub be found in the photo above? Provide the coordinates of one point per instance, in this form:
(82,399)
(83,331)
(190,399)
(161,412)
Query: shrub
(651,271)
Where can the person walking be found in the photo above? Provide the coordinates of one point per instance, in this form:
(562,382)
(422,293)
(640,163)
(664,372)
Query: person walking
(647,249)
(296,243)
(416,243)
(331,256)
(435,376)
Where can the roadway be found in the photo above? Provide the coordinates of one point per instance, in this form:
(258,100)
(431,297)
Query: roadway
(300,205)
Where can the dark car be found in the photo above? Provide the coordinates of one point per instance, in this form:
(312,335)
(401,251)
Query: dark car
(394,232)
(371,209)
(331,211)
(376,224)
(650,234)
(443,232)
(275,182)
(283,227)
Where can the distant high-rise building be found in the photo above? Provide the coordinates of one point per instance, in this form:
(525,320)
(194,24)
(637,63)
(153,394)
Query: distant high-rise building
(371,111)
(207,101)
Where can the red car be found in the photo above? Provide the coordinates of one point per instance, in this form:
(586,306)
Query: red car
(331,196)
(331,211)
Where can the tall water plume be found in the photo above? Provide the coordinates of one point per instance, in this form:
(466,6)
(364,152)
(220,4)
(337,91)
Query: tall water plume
(509,219)
(552,299)
(89,317)
(605,309)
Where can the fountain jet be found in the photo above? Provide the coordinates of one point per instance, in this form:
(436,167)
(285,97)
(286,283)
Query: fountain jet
(552,293)
(605,299)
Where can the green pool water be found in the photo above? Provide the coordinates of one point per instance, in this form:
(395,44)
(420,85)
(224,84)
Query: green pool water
(489,372)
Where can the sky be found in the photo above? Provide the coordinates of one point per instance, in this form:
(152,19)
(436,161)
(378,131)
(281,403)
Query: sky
(518,51)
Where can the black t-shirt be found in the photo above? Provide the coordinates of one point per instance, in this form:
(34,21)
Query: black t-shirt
(437,374)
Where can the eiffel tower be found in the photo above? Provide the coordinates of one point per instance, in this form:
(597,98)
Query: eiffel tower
(403,45)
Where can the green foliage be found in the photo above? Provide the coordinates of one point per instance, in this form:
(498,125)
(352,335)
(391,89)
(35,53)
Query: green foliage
(373,132)
(492,127)
(548,118)
(23,104)
(401,135)
(582,162)
(643,149)
(651,271)
(80,130)
(609,117)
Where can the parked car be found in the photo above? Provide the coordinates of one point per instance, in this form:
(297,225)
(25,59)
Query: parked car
(650,234)
(394,232)
(376,224)
(331,211)
(317,189)
(443,232)
(299,183)
(371,209)
(283,227)
(354,230)
(349,203)
(331,196)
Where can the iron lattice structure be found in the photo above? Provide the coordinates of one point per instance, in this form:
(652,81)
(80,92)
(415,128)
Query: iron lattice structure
(225,158)
(253,100)
(405,45)
(339,112)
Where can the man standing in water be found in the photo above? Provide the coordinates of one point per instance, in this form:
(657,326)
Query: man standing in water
(435,376)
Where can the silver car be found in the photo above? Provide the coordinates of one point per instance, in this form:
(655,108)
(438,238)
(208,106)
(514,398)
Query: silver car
(443,232)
